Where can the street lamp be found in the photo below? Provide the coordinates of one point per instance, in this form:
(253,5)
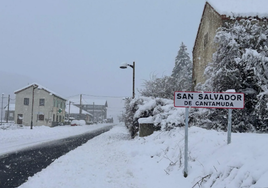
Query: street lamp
(124,66)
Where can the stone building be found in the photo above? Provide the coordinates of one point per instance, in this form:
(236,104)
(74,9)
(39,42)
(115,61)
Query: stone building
(215,14)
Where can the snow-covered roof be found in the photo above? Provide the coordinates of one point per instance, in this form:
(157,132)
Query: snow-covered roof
(75,110)
(39,87)
(241,8)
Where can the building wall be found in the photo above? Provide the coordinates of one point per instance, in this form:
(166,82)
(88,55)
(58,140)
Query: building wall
(57,104)
(204,46)
(20,108)
(48,110)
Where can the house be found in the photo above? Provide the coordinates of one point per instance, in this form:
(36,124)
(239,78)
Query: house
(96,107)
(73,112)
(36,105)
(215,14)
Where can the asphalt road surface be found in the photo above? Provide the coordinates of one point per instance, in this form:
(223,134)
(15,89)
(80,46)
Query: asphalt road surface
(15,168)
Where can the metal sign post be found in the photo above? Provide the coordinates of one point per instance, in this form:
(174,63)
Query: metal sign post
(227,100)
(229,128)
(186,144)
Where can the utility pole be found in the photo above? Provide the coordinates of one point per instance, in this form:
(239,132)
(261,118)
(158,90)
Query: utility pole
(2,108)
(93,112)
(133,89)
(69,111)
(32,108)
(8,101)
(34,86)
(80,110)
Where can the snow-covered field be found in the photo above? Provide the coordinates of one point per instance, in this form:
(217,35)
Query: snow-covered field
(113,160)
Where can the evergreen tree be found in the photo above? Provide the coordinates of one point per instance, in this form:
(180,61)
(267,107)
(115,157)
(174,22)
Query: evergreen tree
(182,71)
(180,79)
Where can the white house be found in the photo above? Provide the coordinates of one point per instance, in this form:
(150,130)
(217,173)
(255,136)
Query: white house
(36,105)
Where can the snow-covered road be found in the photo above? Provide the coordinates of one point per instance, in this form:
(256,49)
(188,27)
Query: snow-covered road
(15,139)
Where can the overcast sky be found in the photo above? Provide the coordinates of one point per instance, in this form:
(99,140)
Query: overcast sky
(76,47)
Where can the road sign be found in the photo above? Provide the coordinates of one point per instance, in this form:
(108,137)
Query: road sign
(229,100)
(185,99)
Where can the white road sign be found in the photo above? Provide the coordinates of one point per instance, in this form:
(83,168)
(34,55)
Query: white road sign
(209,100)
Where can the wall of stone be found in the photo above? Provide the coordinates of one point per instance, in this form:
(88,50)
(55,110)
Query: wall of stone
(204,45)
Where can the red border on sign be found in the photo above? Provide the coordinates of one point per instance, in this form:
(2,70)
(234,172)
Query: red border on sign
(207,92)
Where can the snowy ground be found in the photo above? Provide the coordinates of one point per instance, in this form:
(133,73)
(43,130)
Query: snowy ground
(113,160)
(15,138)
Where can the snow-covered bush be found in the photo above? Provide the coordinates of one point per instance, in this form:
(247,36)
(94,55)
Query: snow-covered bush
(161,111)
(10,126)
(241,63)
(131,106)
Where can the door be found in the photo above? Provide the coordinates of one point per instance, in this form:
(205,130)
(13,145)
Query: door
(19,118)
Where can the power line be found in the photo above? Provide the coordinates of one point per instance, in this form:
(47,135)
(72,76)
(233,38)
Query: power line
(99,96)
(105,96)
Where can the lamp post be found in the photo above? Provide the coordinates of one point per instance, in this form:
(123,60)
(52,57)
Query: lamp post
(124,66)
(34,87)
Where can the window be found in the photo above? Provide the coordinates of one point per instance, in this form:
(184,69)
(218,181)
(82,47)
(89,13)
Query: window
(205,39)
(41,117)
(41,102)
(26,101)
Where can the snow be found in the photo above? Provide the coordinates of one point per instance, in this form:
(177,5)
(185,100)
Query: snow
(230,90)
(241,8)
(113,159)
(39,87)
(146,120)
(15,138)
(78,122)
